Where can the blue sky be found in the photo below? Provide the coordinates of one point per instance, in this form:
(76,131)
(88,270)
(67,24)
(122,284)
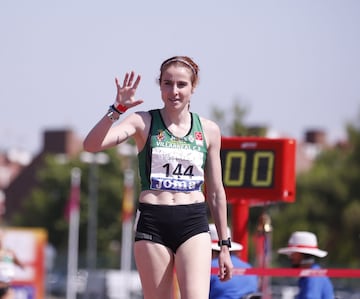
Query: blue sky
(295,65)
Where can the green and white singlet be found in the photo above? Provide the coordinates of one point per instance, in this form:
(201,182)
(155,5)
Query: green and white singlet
(169,163)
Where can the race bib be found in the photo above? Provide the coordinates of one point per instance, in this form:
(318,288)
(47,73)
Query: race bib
(174,169)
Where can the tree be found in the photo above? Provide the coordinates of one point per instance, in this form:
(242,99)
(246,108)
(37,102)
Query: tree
(327,196)
(232,122)
(328,203)
(45,206)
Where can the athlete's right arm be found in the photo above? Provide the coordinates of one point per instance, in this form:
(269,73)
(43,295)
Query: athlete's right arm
(104,135)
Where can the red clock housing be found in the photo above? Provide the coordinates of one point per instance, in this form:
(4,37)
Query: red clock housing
(258,169)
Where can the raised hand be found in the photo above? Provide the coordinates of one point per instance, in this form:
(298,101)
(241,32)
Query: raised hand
(126,93)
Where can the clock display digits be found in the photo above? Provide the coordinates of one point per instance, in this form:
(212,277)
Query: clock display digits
(248,168)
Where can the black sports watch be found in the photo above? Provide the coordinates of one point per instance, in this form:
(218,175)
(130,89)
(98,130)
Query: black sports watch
(225,243)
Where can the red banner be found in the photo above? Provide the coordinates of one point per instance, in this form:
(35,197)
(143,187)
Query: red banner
(345,273)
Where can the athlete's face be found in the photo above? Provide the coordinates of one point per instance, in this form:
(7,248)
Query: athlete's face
(176,87)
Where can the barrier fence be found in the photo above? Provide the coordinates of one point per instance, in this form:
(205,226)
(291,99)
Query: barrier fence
(340,273)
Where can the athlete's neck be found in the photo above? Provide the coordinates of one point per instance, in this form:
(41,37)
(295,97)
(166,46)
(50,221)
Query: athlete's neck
(178,124)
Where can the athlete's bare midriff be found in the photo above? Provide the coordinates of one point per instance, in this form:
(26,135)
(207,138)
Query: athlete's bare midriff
(171,198)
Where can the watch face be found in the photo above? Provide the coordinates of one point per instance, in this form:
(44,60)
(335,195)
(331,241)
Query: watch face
(225,243)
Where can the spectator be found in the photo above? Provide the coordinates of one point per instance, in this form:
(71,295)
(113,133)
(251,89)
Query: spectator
(239,285)
(302,250)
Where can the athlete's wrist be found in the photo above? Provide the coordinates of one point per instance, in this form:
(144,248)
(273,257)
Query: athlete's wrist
(113,114)
(226,242)
(119,108)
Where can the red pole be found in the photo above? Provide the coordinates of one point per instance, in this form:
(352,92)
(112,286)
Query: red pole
(263,250)
(240,219)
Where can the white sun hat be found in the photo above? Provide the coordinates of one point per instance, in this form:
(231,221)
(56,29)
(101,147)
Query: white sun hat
(214,239)
(303,242)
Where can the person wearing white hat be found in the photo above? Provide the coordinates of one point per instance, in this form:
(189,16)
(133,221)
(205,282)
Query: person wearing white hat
(239,285)
(302,250)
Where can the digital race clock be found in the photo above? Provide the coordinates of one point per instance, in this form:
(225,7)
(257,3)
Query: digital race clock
(258,169)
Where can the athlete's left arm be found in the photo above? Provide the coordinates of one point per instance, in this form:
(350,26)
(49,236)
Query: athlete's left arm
(215,193)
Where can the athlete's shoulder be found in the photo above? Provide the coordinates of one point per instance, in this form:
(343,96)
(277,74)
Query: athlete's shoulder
(141,116)
(209,125)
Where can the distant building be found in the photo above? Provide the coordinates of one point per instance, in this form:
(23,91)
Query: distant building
(11,163)
(307,150)
(17,178)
